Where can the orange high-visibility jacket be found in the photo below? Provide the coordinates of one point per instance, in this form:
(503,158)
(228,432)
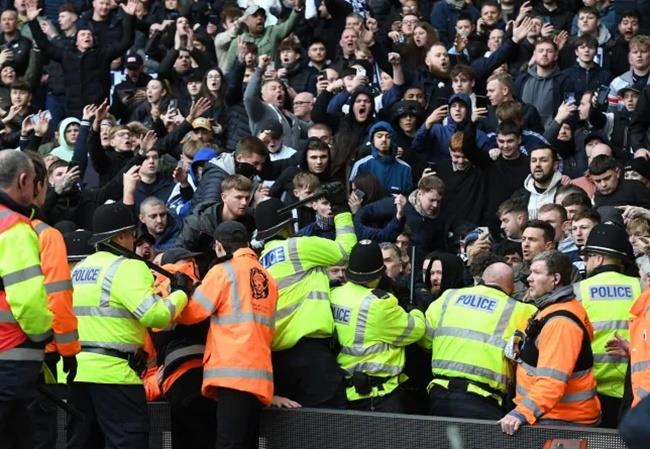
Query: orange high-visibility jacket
(640,347)
(239,297)
(192,356)
(559,387)
(54,263)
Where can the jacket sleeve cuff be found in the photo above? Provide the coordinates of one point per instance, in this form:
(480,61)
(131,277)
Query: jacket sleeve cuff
(519,416)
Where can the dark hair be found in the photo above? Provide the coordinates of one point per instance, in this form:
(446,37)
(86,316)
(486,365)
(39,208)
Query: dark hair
(230,12)
(546,40)
(20,84)
(576,198)
(464,16)
(39,167)
(631,13)
(570,188)
(549,207)
(219,98)
(484,260)
(370,185)
(543,147)
(68,7)
(505,128)
(588,40)
(590,10)
(462,69)
(516,205)
(549,232)
(251,145)
(54,165)
(507,247)
(589,214)
(600,164)
(556,262)
(491,3)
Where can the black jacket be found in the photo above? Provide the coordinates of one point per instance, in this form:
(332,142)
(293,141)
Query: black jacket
(86,74)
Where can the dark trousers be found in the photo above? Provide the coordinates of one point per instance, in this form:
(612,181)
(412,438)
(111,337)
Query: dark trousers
(114,417)
(15,425)
(610,407)
(461,404)
(397,401)
(193,416)
(238,415)
(308,373)
(634,427)
(43,413)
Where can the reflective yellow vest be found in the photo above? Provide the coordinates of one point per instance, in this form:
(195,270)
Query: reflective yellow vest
(467,330)
(608,297)
(372,330)
(299,265)
(114,301)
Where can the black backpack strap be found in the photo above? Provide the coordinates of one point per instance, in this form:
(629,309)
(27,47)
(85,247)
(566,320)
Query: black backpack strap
(585,357)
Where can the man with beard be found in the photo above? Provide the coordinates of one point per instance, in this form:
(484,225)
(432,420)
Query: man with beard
(543,85)
(270,106)
(543,180)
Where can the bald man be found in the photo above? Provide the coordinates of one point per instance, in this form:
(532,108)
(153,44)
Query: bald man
(467,331)
(585,182)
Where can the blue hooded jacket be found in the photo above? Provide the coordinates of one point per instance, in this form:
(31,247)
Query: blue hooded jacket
(394,174)
(179,204)
(435,141)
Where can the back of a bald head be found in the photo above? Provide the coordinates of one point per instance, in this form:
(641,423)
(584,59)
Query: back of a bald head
(601,149)
(12,165)
(501,275)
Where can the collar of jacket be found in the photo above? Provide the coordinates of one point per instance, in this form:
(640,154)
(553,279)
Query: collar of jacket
(560,294)
(606,268)
(11,204)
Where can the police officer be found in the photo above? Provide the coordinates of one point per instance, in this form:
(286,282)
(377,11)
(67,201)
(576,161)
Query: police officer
(607,295)
(25,320)
(304,365)
(115,302)
(467,330)
(372,330)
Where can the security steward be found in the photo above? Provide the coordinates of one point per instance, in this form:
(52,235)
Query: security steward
(607,295)
(372,330)
(25,319)
(115,302)
(304,364)
(239,297)
(555,378)
(54,264)
(634,427)
(179,354)
(467,331)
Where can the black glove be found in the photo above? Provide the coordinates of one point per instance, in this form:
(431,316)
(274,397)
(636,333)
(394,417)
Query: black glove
(335,194)
(181,281)
(70,367)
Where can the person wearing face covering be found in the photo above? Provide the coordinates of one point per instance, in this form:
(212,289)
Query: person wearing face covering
(467,330)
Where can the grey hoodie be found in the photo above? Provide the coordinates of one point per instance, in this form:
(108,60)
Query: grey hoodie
(538,91)
(537,199)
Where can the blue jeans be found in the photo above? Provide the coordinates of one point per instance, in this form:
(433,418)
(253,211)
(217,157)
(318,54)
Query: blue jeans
(55,104)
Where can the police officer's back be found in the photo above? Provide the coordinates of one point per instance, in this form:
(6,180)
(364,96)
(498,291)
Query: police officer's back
(607,295)
(467,331)
(372,330)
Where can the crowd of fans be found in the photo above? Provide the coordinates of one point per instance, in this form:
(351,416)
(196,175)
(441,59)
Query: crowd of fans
(461,128)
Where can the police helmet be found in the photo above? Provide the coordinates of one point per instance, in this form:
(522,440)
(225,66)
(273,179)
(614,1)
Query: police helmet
(610,240)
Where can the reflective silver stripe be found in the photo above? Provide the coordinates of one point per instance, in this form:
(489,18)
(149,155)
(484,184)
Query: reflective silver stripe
(21,275)
(552,373)
(171,307)
(7,317)
(123,347)
(40,337)
(361,351)
(146,305)
(243,317)
(238,372)
(292,245)
(609,358)
(318,295)
(409,328)
(642,393)
(469,369)
(102,311)
(235,300)
(578,396)
(184,352)
(503,323)
(23,354)
(492,340)
(528,403)
(203,300)
(610,325)
(292,279)
(429,331)
(640,366)
(581,373)
(445,304)
(104,298)
(344,230)
(40,227)
(521,390)
(58,286)
(370,368)
(285,312)
(362,320)
(67,337)
(344,253)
